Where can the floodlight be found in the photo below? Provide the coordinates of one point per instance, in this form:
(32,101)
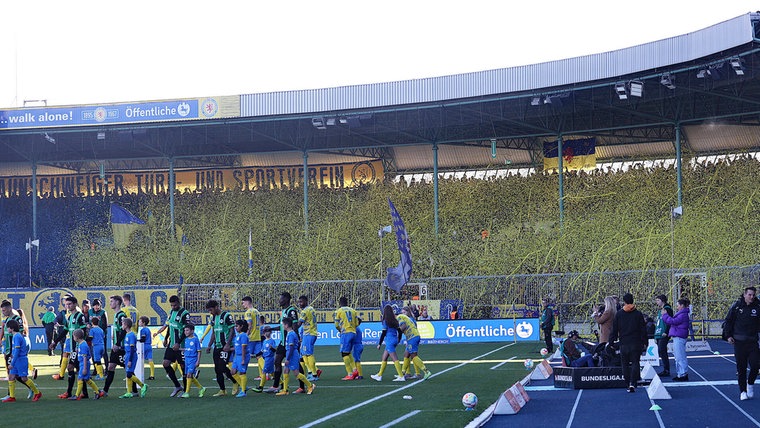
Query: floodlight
(667,80)
(637,88)
(330,121)
(622,93)
(101,135)
(736,64)
(318,122)
(701,74)
(535,101)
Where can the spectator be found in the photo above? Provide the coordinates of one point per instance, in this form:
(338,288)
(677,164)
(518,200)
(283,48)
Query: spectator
(454,314)
(48,321)
(424,315)
(630,328)
(605,318)
(679,330)
(741,328)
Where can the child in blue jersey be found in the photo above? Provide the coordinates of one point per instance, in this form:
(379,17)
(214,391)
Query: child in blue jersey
(192,355)
(391,335)
(83,353)
(98,346)
(268,350)
(357,351)
(146,339)
(130,359)
(292,359)
(242,356)
(18,366)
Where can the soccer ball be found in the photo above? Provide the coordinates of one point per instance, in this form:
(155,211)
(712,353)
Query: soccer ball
(469,400)
(544,352)
(528,364)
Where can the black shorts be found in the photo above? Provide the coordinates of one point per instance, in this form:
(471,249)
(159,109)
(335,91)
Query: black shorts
(173,356)
(221,356)
(280,350)
(117,357)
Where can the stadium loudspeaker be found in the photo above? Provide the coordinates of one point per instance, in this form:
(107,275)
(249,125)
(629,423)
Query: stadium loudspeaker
(542,371)
(656,390)
(512,400)
(648,373)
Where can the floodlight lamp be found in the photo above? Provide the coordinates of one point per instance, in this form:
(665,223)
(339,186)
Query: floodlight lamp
(343,120)
(535,101)
(330,121)
(318,122)
(668,81)
(701,74)
(101,135)
(637,88)
(736,64)
(621,91)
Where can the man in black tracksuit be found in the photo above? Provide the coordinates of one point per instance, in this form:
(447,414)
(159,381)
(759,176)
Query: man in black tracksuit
(630,327)
(741,328)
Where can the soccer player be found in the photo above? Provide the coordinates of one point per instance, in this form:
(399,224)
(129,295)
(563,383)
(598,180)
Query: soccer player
(345,323)
(308,320)
(130,360)
(7,335)
(147,342)
(252,317)
(242,356)
(268,351)
(391,335)
(98,346)
(223,325)
(130,311)
(84,375)
(292,360)
(192,353)
(176,323)
(357,351)
(409,328)
(117,341)
(18,365)
(74,320)
(25,332)
(288,311)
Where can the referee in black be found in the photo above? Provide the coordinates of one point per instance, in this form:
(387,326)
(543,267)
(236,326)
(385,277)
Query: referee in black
(741,329)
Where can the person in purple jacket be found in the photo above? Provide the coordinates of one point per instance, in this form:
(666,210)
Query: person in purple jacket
(679,330)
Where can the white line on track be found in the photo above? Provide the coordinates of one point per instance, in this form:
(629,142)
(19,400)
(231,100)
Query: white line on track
(657,413)
(502,363)
(395,391)
(575,406)
(728,399)
(397,420)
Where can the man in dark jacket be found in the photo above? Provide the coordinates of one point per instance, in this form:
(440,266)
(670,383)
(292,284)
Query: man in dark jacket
(547,323)
(630,327)
(742,326)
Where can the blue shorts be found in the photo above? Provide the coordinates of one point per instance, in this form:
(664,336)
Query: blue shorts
(20,367)
(390,344)
(97,353)
(190,365)
(358,349)
(86,377)
(240,366)
(147,353)
(294,363)
(269,365)
(347,342)
(307,344)
(413,345)
(254,348)
(67,345)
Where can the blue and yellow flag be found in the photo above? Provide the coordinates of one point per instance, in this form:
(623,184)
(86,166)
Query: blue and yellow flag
(576,154)
(123,224)
(400,275)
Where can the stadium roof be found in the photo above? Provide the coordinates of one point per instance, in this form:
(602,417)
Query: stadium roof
(631,100)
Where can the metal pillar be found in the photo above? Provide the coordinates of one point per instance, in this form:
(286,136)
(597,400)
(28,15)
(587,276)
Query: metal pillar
(34,200)
(306,192)
(560,166)
(435,186)
(172,185)
(679,171)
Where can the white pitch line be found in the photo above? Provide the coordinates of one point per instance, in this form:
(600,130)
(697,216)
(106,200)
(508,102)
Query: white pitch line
(397,420)
(575,406)
(727,399)
(502,363)
(379,397)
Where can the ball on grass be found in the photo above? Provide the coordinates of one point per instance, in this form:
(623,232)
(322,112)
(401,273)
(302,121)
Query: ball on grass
(528,364)
(469,401)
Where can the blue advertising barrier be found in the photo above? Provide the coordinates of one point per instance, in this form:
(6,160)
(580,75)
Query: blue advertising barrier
(446,331)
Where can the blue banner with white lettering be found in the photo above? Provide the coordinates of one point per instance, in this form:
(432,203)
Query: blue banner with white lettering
(46,117)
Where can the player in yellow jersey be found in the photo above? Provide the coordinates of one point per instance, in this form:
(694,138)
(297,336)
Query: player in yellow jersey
(409,327)
(308,320)
(255,349)
(130,311)
(345,323)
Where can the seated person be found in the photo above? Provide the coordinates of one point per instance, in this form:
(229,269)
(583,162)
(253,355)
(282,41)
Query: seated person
(572,349)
